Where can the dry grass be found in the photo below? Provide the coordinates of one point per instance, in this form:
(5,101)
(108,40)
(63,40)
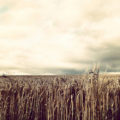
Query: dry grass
(89,97)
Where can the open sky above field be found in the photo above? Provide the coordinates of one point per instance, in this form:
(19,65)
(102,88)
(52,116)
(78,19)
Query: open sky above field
(59,36)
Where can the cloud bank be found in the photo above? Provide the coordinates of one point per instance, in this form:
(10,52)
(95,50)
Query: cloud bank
(59,37)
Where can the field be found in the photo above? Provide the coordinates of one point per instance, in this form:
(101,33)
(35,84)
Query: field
(65,97)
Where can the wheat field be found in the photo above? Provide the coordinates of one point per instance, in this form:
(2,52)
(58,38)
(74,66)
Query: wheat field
(66,97)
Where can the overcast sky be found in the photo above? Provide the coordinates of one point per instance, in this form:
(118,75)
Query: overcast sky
(59,36)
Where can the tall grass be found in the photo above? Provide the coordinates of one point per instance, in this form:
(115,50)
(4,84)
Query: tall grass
(90,98)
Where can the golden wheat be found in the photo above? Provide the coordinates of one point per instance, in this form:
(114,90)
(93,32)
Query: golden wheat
(90,97)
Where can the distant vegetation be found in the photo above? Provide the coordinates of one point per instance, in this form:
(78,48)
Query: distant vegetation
(91,97)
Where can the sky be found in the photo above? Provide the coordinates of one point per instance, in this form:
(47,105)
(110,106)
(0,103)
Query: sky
(59,36)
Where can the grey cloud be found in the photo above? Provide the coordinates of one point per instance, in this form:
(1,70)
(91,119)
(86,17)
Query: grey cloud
(107,56)
(107,53)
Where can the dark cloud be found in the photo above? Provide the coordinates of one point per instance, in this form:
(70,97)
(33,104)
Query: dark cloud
(107,53)
(107,56)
